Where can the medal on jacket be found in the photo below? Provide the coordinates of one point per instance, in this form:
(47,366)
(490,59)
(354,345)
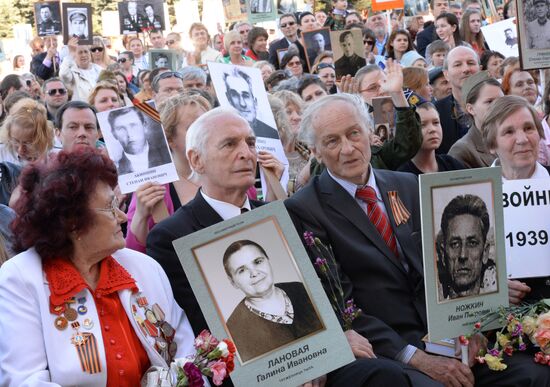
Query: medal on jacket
(152,324)
(400,213)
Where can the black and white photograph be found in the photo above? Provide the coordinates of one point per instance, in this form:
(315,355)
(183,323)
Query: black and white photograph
(315,42)
(137,144)
(349,51)
(255,283)
(234,10)
(465,236)
(77,21)
(286,6)
(162,58)
(534,32)
(384,118)
(140,16)
(417,7)
(502,36)
(47,17)
(261,6)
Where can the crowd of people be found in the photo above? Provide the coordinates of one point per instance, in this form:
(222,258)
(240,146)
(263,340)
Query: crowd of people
(91,289)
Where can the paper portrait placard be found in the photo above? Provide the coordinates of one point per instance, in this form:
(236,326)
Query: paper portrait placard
(349,51)
(162,58)
(242,88)
(416,8)
(534,34)
(261,11)
(47,16)
(252,257)
(463,249)
(141,16)
(315,42)
(234,10)
(77,22)
(384,118)
(502,36)
(527,227)
(138,146)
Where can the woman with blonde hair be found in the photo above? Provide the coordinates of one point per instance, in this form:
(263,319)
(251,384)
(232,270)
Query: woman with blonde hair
(99,53)
(19,64)
(26,134)
(233,44)
(105,96)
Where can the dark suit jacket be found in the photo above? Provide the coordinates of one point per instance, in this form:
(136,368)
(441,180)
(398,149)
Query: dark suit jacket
(453,128)
(261,129)
(40,70)
(392,299)
(283,43)
(158,155)
(194,216)
(424,38)
(348,65)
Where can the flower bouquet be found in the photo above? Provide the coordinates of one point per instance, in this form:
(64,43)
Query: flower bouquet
(326,264)
(213,359)
(523,325)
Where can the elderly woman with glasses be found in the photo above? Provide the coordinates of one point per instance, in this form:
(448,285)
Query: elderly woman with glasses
(292,62)
(93,312)
(26,134)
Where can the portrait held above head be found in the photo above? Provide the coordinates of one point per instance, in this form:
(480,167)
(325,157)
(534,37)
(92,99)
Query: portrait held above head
(240,95)
(131,20)
(465,265)
(352,52)
(279,312)
(47,18)
(141,139)
(83,296)
(78,23)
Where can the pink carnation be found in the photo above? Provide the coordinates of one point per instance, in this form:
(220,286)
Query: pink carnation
(205,342)
(219,372)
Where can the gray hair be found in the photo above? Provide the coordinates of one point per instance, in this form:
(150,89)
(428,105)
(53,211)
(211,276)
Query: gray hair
(192,72)
(313,111)
(240,24)
(446,61)
(198,133)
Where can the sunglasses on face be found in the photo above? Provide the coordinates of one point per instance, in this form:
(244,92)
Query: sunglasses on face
(53,92)
(369,42)
(96,49)
(122,60)
(284,25)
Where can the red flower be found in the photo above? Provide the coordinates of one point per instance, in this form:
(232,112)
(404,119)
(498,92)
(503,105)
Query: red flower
(230,345)
(477,325)
(508,351)
(229,363)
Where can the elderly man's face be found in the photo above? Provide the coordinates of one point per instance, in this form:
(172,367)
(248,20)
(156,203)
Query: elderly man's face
(342,143)
(464,246)
(241,98)
(132,8)
(347,45)
(250,271)
(318,42)
(462,63)
(130,132)
(194,83)
(167,87)
(228,162)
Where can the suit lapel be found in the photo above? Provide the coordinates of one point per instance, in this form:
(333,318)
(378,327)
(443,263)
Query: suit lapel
(205,215)
(341,202)
(402,233)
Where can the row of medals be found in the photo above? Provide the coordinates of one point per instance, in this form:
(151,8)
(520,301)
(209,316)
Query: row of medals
(67,314)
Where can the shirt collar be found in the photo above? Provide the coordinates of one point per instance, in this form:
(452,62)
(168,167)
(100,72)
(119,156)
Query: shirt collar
(351,188)
(141,158)
(65,281)
(540,171)
(224,209)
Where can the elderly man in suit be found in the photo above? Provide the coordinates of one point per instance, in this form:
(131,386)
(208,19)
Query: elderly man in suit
(362,213)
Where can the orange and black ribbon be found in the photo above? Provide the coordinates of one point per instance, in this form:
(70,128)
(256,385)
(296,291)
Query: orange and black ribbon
(400,213)
(148,110)
(89,354)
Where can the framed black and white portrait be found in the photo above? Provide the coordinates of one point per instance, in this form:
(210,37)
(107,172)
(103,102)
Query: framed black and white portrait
(137,144)
(463,248)
(534,32)
(162,58)
(349,51)
(77,22)
(141,16)
(47,16)
(315,42)
(384,118)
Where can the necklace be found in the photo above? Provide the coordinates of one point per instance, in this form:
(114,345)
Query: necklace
(286,318)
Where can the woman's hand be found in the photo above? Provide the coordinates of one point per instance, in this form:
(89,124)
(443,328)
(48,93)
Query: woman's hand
(191,59)
(148,196)
(360,346)
(517,291)
(269,161)
(347,84)
(375,140)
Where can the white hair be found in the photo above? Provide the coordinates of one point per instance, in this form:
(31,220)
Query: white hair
(324,106)
(199,132)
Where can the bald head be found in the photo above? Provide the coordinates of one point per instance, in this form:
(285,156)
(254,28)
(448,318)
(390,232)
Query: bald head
(461,62)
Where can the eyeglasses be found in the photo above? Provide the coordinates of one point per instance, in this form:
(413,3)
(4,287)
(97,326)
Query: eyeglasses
(122,60)
(290,24)
(369,42)
(374,88)
(112,209)
(164,75)
(18,144)
(96,49)
(53,92)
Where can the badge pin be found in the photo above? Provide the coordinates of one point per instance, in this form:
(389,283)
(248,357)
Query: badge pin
(82,309)
(88,323)
(71,314)
(61,323)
